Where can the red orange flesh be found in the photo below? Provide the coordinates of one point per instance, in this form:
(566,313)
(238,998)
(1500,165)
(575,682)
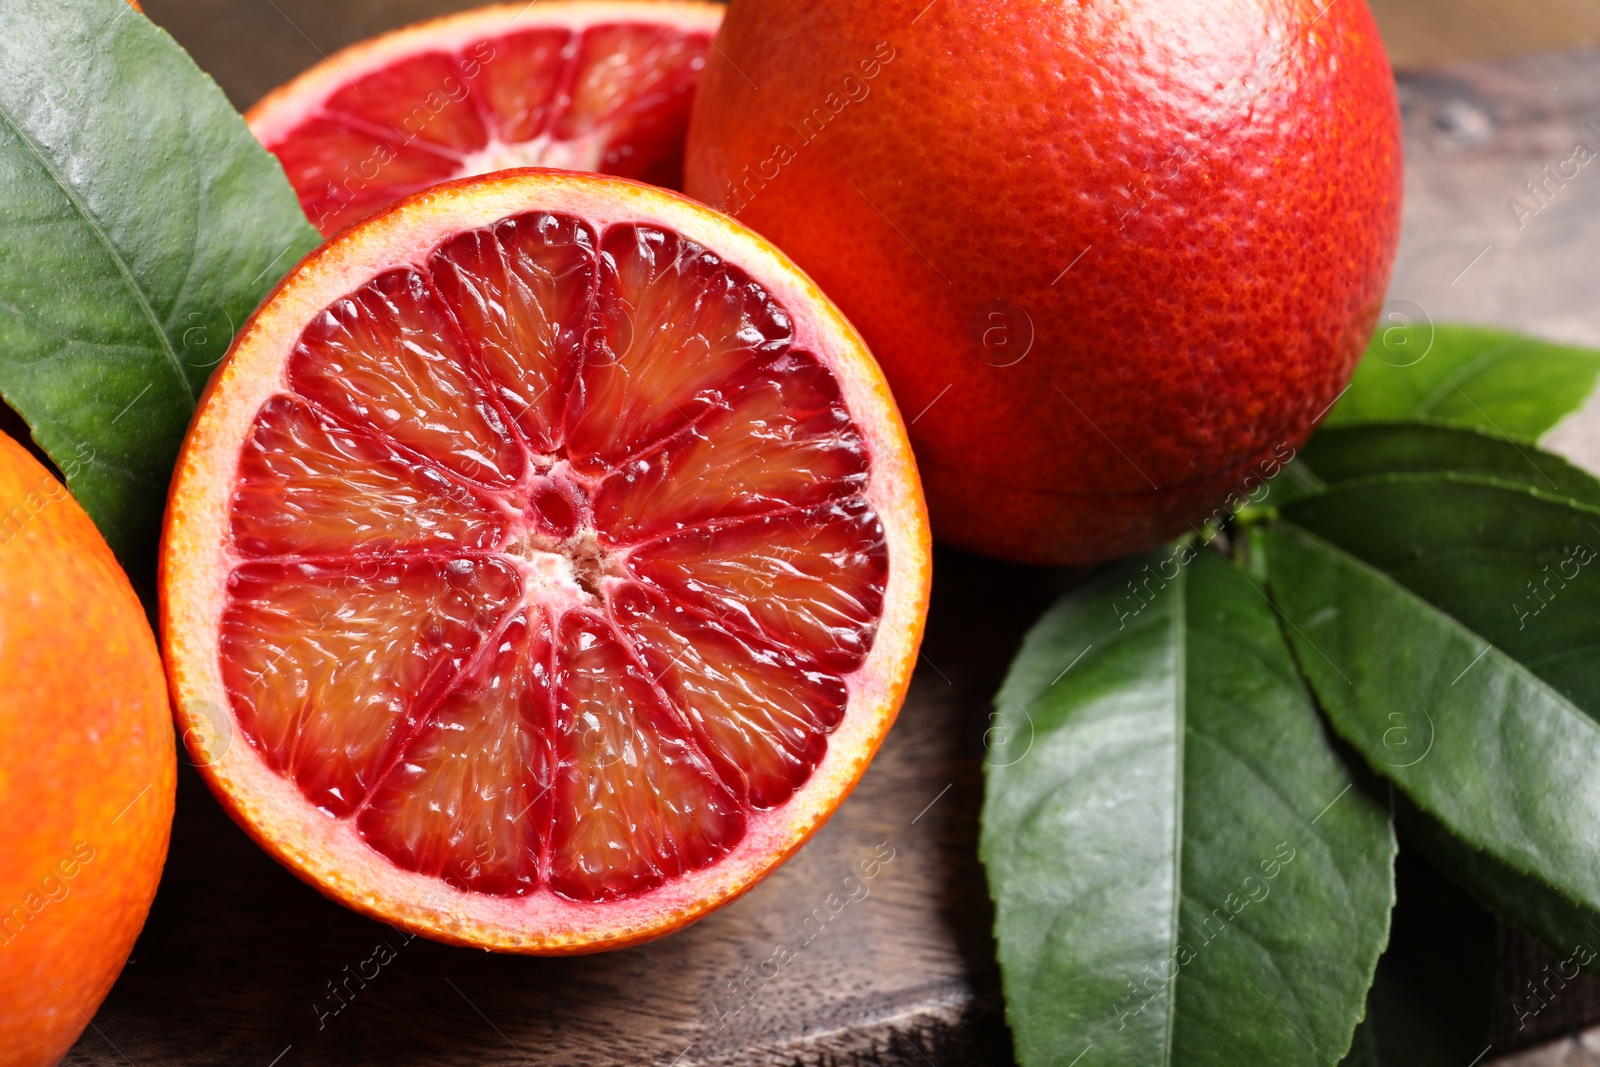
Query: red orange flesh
(601,85)
(556,550)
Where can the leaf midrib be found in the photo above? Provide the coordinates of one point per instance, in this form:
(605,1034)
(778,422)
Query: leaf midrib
(1466,372)
(1495,651)
(112,251)
(1180,649)
(1472,478)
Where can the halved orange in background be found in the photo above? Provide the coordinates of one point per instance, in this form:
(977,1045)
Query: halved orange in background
(551,551)
(599,85)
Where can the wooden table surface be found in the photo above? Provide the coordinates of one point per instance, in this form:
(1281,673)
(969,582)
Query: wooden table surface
(239,960)
(1425,32)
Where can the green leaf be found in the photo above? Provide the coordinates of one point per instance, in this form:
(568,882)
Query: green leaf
(1346,453)
(1182,869)
(1505,383)
(1572,930)
(1447,624)
(142,223)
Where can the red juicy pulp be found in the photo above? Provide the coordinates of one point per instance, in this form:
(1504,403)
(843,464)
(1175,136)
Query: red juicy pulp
(553,563)
(611,98)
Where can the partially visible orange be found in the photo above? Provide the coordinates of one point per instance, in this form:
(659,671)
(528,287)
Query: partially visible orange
(554,549)
(601,85)
(1115,256)
(87,765)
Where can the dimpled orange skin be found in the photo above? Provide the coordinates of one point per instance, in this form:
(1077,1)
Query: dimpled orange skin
(1188,207)
(87,765)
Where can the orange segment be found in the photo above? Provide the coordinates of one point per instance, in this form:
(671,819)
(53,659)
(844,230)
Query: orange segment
(389,359)
(326,666)
(636,803)
(762,716)
(467,802)
(811,582)
(631,93)
(783,441)
(521,292)
(676,330)
(574,584)
(522,84)
(584,84)
(420,101)
(334,166)
(310,488)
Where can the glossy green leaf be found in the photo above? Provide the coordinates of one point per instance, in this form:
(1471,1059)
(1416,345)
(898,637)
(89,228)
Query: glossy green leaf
(1502,382)
(1345,453)
(1572,930)
(140,224)
(1447,624)
(1183,871)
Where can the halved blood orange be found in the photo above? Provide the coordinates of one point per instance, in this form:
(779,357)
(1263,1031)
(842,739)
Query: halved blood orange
(553,549)
(600,85)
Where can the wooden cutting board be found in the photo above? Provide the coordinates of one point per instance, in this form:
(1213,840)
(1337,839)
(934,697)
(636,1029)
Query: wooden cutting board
(241,964)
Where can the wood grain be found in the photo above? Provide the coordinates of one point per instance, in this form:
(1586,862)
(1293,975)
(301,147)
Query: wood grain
(241,964)
(1424,32)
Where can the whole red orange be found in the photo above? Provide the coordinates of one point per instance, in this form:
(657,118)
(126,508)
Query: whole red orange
(87,764)
(1116,256)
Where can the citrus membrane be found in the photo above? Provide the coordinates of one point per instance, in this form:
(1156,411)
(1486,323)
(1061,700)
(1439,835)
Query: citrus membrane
(556,550)
(599,85)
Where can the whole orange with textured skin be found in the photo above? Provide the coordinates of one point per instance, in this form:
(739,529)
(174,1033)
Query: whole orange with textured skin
(87,765)
(1115,257)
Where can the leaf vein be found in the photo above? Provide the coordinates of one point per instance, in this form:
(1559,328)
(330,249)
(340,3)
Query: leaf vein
(1467,371)
(1180,622)
(112,251)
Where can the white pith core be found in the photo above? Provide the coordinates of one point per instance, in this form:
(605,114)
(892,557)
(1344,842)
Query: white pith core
(550,579)
(558,572)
